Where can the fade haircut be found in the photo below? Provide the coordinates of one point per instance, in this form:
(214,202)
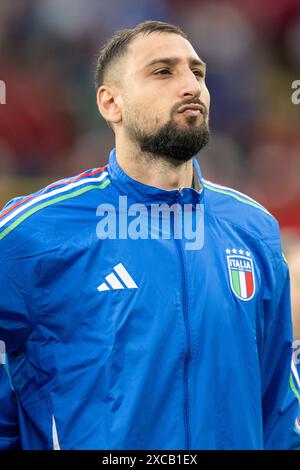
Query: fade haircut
(117,46)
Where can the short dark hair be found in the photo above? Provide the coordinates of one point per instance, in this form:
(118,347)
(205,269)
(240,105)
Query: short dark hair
(116,46)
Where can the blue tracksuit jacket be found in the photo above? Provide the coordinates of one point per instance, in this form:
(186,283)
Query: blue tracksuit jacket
(139,342)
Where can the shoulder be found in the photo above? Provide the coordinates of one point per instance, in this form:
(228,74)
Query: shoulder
(32,215)
(237,209)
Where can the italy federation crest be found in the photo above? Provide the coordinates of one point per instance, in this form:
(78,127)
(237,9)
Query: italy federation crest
(241,273)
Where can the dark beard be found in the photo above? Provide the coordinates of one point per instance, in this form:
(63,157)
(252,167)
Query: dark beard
(174,143)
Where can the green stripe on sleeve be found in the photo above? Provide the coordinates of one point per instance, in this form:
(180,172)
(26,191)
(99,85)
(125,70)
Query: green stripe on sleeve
(25,216)
(238,198)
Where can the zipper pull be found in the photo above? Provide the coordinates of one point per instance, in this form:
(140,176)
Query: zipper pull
(179,193)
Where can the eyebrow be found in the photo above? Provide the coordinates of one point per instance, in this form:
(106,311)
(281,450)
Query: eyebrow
(174,61)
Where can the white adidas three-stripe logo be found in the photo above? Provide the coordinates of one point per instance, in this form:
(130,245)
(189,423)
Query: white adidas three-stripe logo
(113,280)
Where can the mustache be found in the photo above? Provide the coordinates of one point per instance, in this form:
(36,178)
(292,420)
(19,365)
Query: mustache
(191,101)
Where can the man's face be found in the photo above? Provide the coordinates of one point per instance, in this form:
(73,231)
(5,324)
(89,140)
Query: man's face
(164,99)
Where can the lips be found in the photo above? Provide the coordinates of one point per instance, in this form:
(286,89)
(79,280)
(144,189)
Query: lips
(192,107)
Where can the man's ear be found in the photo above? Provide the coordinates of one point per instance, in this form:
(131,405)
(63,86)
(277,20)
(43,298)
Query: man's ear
(108,105)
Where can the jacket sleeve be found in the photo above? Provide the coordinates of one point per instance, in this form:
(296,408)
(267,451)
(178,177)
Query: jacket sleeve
(15,321)
(9,429)
(280,389)
(16,325)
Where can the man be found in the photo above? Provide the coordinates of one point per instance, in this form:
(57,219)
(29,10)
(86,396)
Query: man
(129,333)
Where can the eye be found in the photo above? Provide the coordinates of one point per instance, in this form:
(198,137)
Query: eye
(199,73)
(162,72)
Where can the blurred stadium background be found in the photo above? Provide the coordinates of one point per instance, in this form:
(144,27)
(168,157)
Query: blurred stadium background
(50,127)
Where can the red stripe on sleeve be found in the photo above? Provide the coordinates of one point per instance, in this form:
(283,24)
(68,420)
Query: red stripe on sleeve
(82,175)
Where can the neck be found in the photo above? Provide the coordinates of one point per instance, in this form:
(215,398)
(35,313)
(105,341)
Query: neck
(153,170)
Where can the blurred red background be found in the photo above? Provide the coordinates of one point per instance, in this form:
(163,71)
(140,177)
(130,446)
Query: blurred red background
(50,127)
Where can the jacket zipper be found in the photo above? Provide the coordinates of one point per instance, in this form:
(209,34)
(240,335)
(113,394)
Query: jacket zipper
(188,348)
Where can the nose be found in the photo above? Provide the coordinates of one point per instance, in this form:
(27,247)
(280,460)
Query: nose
(190,86)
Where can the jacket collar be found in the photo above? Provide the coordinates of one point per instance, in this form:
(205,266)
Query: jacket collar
(142,193)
